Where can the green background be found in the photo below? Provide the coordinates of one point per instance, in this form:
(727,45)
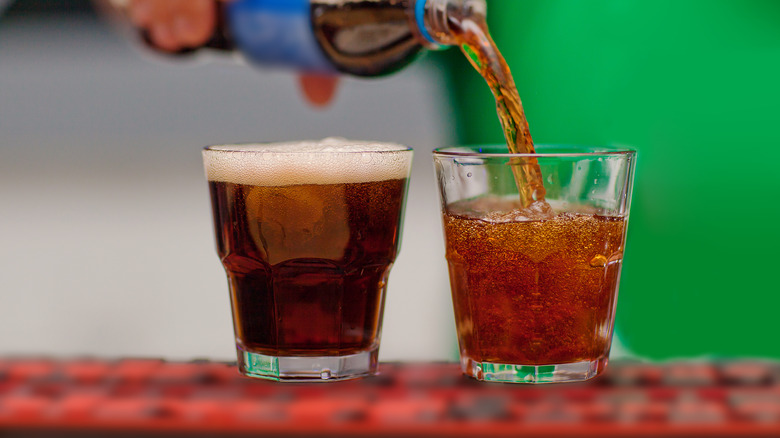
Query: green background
(694,86)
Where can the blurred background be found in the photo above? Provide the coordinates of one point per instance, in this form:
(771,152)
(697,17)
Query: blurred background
(107,241)
(105,226)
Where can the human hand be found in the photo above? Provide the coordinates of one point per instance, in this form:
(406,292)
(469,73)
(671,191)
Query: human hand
(174,25)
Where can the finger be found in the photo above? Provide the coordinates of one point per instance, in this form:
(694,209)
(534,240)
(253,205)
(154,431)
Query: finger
(196,26)
(186,31)
(318,89)
(141,12)
(163,37)
(200,6)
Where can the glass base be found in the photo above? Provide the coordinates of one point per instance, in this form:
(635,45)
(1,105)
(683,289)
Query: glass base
(308,368)
(553,373)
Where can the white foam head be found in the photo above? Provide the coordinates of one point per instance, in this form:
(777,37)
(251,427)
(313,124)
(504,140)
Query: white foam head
(328,161)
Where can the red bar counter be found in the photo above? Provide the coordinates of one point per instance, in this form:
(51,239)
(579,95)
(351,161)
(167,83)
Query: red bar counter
(49,397)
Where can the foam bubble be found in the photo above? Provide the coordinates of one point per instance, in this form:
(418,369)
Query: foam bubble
(328,161)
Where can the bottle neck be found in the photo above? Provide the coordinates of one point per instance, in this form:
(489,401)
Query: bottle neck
(437,20)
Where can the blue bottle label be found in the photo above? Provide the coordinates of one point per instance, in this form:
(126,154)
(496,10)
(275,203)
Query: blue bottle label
(277,32)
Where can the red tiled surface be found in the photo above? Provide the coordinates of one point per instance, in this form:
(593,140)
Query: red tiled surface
(149,395)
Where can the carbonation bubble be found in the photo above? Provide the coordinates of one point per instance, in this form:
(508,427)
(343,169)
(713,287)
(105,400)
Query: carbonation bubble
(598,261)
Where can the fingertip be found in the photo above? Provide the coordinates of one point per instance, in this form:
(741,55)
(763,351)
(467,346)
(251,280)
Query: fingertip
(163,38)
(319,89)
(192,31)
(140,12)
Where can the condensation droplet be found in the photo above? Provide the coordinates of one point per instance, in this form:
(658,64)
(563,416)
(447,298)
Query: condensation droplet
(596,181)
(325,374)
(598,261)
(549,179)
(468,174)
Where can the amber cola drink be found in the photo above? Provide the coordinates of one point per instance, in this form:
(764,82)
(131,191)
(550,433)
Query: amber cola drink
(535,288)
(532,292)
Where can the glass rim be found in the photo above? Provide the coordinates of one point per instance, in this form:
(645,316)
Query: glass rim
(246,148)
(501,152)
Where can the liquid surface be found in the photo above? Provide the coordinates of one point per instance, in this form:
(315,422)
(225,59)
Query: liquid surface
(532,292)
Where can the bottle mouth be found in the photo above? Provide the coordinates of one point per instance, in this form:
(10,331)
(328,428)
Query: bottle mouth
(419,15)
(434,18)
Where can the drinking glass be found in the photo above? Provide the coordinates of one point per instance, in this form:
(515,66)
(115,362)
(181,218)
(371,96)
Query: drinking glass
(307,233)
(534,287)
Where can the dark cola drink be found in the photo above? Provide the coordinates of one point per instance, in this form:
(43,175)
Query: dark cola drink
(307,234)
(356,37)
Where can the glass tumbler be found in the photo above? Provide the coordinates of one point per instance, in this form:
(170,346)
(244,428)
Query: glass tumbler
(307,234)
(534,283)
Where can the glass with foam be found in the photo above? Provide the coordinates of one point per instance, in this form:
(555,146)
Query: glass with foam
(307,233)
